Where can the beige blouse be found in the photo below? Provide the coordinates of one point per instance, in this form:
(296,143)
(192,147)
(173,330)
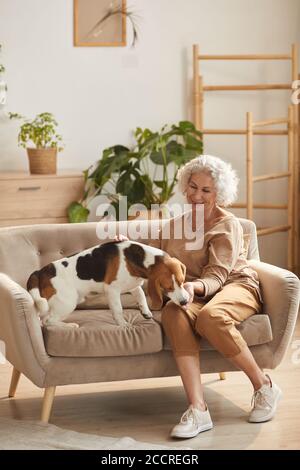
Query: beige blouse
(217,258)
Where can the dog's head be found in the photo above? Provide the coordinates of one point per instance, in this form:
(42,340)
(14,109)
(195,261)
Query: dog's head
(167,275)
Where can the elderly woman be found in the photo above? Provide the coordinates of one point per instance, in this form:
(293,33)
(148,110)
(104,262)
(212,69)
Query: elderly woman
(223,291)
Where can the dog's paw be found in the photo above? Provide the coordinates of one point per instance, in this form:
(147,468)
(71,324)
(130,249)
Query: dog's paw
(147,315)
(69,325)
(72,325)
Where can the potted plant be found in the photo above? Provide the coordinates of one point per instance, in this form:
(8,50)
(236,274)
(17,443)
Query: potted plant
(129,173)
(41,132)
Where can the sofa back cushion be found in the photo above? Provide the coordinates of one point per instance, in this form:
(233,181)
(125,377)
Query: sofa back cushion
(250,238)
(25,249)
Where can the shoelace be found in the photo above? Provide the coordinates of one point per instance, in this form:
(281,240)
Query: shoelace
(189,414)
(259,400)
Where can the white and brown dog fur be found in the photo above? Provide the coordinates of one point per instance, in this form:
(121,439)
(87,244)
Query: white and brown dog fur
(111,268)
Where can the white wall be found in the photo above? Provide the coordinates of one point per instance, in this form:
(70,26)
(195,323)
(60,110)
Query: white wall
(99,95)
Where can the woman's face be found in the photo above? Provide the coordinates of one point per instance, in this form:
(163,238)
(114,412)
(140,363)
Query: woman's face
(201,190)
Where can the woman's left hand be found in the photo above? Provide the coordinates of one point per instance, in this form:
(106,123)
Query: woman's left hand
(189,287)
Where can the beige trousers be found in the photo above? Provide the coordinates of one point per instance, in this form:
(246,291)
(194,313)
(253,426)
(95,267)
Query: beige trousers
(214,320)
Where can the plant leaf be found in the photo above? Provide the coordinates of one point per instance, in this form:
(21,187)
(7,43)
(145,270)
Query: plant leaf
(77,213)
(186,126)
(193,144)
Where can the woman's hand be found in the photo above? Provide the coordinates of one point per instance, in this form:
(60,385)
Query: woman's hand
(120,238)
(189,287)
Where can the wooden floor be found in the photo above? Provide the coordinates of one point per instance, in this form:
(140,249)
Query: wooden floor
(147,409)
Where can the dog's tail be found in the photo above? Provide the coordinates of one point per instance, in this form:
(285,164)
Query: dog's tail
(33,287)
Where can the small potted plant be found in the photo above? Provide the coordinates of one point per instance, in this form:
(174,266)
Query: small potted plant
(41,132)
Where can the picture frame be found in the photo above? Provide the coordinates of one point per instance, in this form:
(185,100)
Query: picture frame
(94,26)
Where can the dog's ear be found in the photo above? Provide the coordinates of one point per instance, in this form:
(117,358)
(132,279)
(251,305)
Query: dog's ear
(155,294)
(183,268)
(176,263)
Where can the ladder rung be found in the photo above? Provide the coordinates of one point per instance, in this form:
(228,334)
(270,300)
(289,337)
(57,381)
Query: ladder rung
(268,230)
(260,86)
(271,176)
(245,57)
(270,122)
(244,131)
(241,205)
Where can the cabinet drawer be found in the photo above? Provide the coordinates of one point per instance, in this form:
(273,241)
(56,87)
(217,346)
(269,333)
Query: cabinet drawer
(38,197)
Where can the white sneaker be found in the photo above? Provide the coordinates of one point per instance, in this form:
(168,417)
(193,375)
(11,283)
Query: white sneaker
(264,403)
(192,422)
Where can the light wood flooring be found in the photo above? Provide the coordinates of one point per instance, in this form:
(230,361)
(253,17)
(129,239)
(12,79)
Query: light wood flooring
(147,409)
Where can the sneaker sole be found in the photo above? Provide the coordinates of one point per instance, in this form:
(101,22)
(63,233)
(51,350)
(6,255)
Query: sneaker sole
(268,417)
(207,427)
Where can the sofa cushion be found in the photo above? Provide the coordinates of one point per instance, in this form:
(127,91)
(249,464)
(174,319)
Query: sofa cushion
(99,301)
(99,336)
(255,330)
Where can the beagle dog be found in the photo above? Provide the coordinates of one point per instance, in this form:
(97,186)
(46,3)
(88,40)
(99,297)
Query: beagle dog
(112,268)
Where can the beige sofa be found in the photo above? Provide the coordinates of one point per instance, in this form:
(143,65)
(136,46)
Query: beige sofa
(100,350)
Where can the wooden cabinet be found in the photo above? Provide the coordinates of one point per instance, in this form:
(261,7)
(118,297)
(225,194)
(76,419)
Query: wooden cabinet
(37,199)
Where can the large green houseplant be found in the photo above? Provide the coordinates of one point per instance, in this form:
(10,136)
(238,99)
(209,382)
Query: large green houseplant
(42,133)
(128,172)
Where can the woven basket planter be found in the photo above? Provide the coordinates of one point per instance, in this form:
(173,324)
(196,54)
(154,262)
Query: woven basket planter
(42,161)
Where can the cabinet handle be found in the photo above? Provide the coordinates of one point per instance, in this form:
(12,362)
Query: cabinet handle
(28,188)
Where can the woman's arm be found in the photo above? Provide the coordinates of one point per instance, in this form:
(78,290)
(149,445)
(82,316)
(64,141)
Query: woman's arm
(224,250)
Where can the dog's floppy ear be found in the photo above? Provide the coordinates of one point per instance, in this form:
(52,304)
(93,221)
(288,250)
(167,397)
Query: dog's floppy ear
(183,267)
(155,294)
(178,263)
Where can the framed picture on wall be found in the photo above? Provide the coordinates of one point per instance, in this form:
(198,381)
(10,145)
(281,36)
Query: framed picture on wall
(99,23)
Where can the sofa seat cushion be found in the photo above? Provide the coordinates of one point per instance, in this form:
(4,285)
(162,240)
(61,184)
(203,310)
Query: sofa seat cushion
(255,330)
(99,336)
(99,301)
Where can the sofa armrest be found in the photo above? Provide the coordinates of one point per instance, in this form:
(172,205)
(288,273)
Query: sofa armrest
(281,293)
(21,332)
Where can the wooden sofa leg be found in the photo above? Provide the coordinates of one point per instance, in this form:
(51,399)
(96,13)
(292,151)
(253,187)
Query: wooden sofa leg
(47,403)
(14,382)
(222,375)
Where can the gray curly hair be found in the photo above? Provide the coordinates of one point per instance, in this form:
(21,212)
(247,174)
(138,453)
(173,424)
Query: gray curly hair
(224,177)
